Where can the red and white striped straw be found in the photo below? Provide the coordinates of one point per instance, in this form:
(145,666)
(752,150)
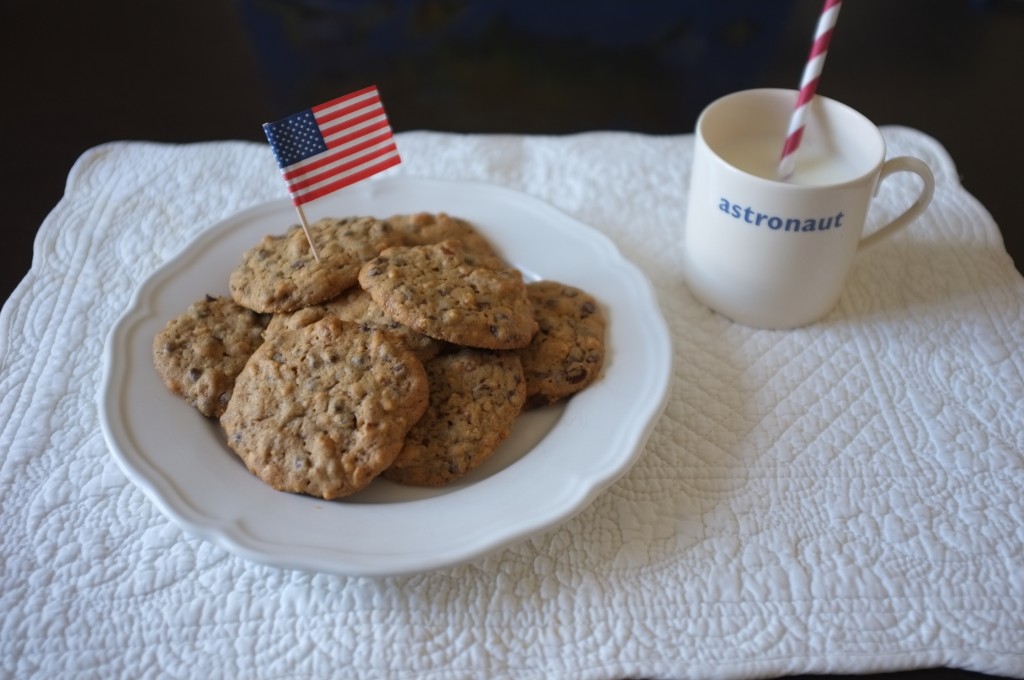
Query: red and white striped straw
(808,85)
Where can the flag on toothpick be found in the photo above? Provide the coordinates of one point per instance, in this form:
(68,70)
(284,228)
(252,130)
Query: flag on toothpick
(330,146)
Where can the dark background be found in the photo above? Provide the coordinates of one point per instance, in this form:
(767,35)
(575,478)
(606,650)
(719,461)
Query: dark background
(77,74)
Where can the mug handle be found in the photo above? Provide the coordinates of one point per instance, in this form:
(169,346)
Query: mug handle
(902,164)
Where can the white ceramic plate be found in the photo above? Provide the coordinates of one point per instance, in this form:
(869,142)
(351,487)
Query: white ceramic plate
(555,463)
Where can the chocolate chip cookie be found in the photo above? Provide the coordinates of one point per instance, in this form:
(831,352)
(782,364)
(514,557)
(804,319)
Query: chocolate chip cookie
(280,274)
(357,306)
(567,352)
(199,353)
(444,292)
(324,409)
(423,229)
(475,396)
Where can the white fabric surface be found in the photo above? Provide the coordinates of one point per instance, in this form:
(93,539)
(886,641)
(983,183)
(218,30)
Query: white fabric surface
(841,498)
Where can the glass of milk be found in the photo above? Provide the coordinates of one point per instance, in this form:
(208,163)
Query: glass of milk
(770,252)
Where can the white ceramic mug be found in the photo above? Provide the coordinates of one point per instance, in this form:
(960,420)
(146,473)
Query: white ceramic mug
(774,253)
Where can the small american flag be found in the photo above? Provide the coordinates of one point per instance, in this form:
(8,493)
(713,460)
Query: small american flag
(333,145)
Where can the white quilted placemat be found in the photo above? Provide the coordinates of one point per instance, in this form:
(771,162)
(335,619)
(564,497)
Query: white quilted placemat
(842,498)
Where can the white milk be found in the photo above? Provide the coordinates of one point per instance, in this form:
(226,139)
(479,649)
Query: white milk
(814,165)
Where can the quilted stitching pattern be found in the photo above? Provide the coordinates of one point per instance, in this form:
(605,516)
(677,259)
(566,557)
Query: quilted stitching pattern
(841,498)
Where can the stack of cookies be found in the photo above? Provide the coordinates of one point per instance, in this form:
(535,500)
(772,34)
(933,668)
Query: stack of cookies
(407,352)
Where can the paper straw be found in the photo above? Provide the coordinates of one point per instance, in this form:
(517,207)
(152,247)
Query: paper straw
(808,85)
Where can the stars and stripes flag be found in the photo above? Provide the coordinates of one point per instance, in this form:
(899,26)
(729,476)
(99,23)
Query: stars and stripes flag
(333,145)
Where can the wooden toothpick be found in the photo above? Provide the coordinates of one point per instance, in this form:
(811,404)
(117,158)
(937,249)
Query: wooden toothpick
(309,235)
